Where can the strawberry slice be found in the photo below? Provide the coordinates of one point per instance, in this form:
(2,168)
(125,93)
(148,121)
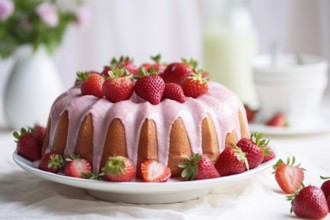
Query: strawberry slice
(119,169)
(77,167)
(288,175)
(153,171)
(198,167)
(51,162)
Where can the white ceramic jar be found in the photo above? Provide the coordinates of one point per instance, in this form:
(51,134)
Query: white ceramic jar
(293,86)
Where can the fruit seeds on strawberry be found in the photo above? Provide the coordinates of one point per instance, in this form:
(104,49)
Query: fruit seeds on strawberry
(51,162)
(232,160)
(178,72)
(77,167)
(118,169)
(28,144)
(254,147)
(198,167)
(309,202)
(195,86)
(91,84)
(288,175)
(118,86)
(174,92)
(153,171)
(150,86)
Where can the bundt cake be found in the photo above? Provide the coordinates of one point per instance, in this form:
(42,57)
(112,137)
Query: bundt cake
(96,128)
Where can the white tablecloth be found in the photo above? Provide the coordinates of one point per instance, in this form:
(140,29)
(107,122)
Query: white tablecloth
(23,195)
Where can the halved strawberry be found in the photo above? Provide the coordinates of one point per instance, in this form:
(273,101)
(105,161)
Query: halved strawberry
(91,83)
(153,171)
(157,65)
(194,86)
(288,175)
(51,162)
(278,120)
(232,160)
(119,169)
(174,91)
(178,72)
(150,86)
(77,167)
(198,167)
(28,144)
(118,86)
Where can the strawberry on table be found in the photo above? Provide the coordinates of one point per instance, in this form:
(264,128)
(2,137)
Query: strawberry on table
(91,83)
(174,91)
(250,114)
(195,86)
(309,202)
(278,120)
(232,160)
(198,167)
(118,169)
(51,162)
(157,65)
(288,175)
(118,85)
(150,86)
(28,144)
(178,72)
(77,167)
(254,147)
(153,171)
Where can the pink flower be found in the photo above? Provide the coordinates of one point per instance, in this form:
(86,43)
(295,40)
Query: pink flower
(84,16)
(6,9)
(48,14)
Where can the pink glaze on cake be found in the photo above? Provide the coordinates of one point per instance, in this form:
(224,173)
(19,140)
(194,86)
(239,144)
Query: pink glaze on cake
(220,103)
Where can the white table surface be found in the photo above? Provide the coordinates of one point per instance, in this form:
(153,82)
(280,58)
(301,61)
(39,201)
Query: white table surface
(23,195)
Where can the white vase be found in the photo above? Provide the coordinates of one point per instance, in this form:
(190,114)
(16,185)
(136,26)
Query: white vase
(33,85)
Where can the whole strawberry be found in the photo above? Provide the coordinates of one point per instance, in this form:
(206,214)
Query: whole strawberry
(326,186)
(157,65)
(153,171)
(288,175)
(39,131)
(150,86)
(178,72)
(51,162)
(309,202)
(91,83)
(250,114)
(278,120)
(174,91)
(194,86)
(270,156)
(28,144)
(123,62)
(118,86)
(77,167)
(198,167)
(254,147)
(232,160)
(119,169)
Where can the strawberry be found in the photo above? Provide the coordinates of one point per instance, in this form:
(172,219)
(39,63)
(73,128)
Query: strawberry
(77,167)
(231,161)
(174,91)
(39,131)
(122,62)
(28,144)
(51,162)
(326,186)
(153,171)
(250,114)
(289,176)
(194,86)
(118,169)
(91,83)
(118,86)
(178,72)
(150,86)
(270,156)
(254,147)
(278,120)
(198,167)
(309,202)
(158,67)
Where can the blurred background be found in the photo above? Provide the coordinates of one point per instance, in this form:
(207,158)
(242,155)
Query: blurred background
(176,28)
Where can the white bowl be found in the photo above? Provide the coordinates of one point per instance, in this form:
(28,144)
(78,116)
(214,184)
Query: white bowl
(290,88)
